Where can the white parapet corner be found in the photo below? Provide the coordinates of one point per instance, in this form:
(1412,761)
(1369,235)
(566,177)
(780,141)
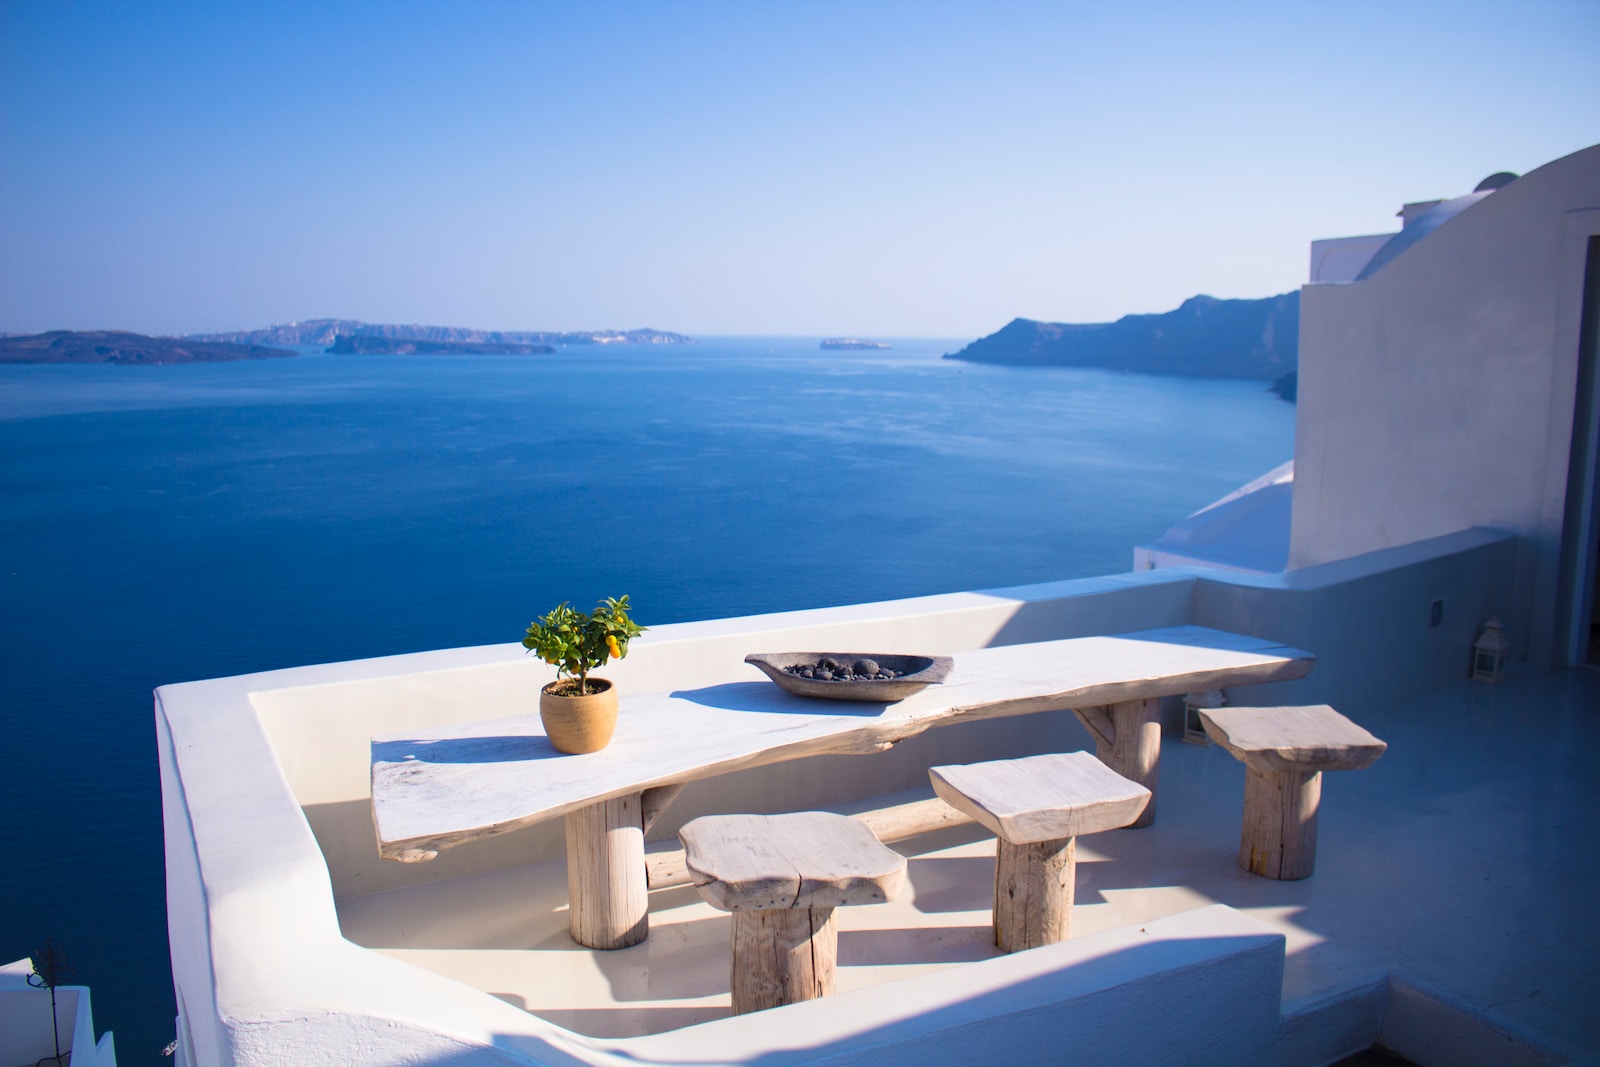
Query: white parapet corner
(25,1023)
(1245,532)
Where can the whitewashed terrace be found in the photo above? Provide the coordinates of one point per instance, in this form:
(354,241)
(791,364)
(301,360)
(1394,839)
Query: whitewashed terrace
(1450,913)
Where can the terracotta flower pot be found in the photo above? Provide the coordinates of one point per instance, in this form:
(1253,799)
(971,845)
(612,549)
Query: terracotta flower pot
(578,724)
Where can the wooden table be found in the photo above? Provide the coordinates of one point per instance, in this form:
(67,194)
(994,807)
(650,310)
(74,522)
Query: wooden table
(436,788)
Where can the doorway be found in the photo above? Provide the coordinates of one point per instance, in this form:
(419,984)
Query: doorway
(1593,658)
(1580,564)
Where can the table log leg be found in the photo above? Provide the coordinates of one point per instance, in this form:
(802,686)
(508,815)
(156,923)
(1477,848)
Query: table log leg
(782,956)
(1033,892)
(654,802)
(607,898)
(1134,750)
(1279,837)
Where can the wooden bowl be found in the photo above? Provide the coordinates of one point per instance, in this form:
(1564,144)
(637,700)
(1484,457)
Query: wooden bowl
(918,672)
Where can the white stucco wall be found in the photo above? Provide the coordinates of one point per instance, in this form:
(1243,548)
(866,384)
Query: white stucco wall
(1438,393)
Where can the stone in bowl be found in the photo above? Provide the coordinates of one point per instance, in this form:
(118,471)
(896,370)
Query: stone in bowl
(915,673)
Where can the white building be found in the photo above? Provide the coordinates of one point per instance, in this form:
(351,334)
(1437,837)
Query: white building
(1455,387)
(1452,386)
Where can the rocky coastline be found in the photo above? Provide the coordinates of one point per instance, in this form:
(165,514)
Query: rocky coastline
(1204,338)
(327,332)
(361,345)
(122,347)
(339,336)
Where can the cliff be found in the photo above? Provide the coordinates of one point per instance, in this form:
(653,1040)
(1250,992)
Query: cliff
(1204,337)
(365,345)
(117,346)
(328,331)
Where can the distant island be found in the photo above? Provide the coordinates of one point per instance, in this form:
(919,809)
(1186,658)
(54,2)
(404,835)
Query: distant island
(340,336)
(328,331)
(118,346)
(851,344)
(364,345)
(1204,337)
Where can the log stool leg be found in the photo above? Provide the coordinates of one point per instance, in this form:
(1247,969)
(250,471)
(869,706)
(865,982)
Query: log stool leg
(1033,892)
(1135,749)
(1279,837)
(606,893)
(782,956)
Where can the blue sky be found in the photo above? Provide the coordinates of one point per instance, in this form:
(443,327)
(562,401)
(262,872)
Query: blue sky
(855,168)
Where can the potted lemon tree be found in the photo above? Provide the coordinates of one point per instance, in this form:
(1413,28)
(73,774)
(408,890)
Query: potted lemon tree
(580,711)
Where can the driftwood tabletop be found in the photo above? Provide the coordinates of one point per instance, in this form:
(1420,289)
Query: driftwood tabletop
(433,789)
(436,788)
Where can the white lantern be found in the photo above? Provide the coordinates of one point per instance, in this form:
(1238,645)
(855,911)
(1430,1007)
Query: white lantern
(1194,731)
(1489,653)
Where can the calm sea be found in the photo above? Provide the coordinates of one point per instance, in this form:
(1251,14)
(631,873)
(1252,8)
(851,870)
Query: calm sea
(161,524)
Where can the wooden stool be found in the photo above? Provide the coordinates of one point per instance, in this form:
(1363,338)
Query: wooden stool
(1285,751)
(782,876)
(1038,807)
